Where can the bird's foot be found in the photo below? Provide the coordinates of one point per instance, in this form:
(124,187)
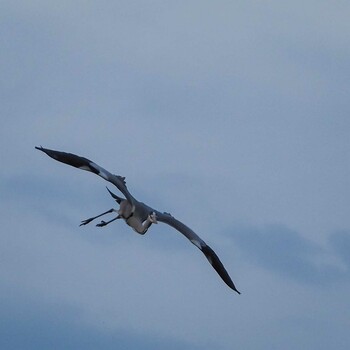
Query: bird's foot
(85,222)
(153,218)
(102,223)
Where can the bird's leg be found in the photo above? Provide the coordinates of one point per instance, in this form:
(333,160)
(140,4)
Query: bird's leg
(142,227)
(152,219)
(104,223)
(85,222)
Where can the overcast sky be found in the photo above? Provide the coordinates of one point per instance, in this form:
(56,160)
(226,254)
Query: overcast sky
(231,115)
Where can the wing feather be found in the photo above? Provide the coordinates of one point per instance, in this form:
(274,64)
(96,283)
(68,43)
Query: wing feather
(88,165)
(199,243)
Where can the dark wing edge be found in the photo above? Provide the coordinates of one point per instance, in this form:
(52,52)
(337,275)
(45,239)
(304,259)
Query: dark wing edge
(199,243)
(88,165)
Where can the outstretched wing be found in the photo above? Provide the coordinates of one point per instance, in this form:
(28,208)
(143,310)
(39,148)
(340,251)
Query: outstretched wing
(199,243)
(88,165)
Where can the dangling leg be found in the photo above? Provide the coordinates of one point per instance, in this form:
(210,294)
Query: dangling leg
(142,227)
(104,223)
(85,222)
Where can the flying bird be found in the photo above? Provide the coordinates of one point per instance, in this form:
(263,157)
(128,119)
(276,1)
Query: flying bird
(136,214)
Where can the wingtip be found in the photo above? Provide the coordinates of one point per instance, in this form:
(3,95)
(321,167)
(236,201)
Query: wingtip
(42,149)
(233,287)
(45,150)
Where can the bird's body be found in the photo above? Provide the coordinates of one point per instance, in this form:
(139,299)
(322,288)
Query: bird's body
(136,214)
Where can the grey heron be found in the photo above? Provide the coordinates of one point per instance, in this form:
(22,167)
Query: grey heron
(137,214)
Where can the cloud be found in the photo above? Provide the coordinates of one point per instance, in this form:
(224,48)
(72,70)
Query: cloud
(215,112)
(340,242)
(27,323)
(287,253)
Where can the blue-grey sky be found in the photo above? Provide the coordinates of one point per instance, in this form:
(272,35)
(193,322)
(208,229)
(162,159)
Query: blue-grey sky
(231,115)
